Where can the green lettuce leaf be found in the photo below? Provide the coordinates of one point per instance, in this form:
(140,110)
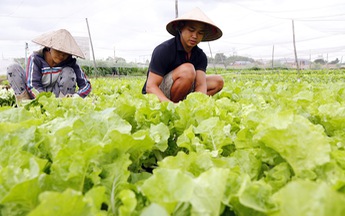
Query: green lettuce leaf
(301,197)
(69,202)
(168,187)
(302,144)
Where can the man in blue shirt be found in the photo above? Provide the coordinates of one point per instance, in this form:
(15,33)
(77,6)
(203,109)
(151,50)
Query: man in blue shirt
(178,66)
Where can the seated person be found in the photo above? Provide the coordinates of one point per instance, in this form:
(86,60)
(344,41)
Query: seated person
(51,69)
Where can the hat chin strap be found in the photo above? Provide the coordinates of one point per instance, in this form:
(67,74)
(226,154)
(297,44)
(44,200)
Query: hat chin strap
(205,35)
(207,32)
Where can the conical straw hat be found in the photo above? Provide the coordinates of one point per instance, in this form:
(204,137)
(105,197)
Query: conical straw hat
(60,40)
(196,14)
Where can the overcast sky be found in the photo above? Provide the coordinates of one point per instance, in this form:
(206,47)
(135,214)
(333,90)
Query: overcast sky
(132,28)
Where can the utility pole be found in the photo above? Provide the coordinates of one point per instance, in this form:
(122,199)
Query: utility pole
(26,54)
(93,53)
(272,57)
(214,66)
(176,8)
(114,55)
(294,44)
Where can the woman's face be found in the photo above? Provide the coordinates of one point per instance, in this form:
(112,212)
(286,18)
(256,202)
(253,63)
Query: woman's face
(58,56)
(192,33)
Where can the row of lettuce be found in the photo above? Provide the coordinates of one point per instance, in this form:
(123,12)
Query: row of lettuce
(130,70)
(269,144)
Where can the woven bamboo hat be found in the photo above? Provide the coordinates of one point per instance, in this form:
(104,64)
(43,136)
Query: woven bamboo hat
(212,32)
(60,40)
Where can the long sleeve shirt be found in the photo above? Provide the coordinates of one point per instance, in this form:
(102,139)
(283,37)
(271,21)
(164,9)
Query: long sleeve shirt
(41,77)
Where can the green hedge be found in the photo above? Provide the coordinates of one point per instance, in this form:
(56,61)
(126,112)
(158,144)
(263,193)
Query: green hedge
(106,71)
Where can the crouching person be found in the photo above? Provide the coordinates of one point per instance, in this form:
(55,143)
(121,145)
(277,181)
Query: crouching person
(50,69)
(178,65)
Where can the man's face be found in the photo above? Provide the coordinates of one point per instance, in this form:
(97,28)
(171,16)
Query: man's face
(192,33)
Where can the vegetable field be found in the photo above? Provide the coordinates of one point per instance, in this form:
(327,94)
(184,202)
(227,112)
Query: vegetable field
(267,144)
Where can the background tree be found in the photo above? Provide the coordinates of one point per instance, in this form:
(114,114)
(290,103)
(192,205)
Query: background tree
(320,61)
(336,61)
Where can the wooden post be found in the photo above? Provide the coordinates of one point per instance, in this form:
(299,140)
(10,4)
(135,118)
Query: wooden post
(214,66)
(272,57)
(93,53)
(26,55)
(294,44)
(176,8)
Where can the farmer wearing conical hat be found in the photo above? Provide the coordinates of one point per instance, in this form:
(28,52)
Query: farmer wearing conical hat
(178,66)
(51,69)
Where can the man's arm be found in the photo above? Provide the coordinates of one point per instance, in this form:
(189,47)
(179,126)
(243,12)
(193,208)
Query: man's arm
(200,82)
(152,86)
(34,77)
(83,83)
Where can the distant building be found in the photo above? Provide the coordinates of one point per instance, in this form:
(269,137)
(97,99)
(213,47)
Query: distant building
(242,63)
(291,62)
(84,44)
